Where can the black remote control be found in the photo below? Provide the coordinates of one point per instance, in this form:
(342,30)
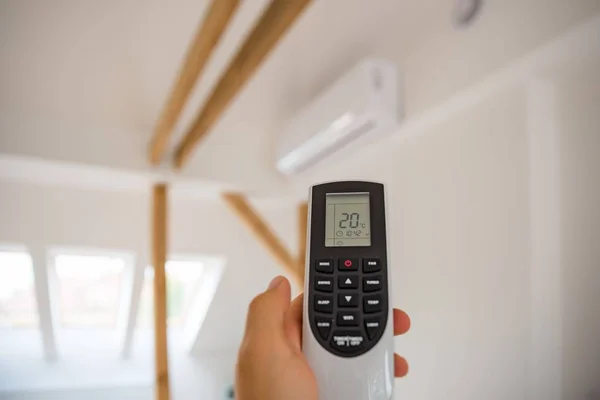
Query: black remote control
(347,314)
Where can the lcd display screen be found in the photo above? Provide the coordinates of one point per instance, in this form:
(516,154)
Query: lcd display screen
(347,220)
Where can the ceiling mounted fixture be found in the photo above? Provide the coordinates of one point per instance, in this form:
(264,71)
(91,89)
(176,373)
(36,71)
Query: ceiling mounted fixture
(465,11)
(353,111)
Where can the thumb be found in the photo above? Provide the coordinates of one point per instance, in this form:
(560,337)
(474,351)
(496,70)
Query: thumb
(267,311)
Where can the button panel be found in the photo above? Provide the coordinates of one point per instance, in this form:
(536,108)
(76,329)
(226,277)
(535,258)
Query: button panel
(324,284)
(372,326)
(323,326)
(323,304)
(349,300)
(324,266)
(372,303)
(347,264)
(372,284)
(371,265)
(348,341)
(347,318)
(348,282)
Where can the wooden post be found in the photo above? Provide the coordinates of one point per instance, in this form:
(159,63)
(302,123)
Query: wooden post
(159,258)
(302,225)
(259,228)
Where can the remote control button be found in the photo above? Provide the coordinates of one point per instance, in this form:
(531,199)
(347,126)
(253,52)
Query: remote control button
(346,318)
(325,266)
(323,326)
(372,303)
(371,265)
(372,284)
(348,282)
(347,264)
(348,299)
(323,304)
(348,341)
(324,284)
(372,326)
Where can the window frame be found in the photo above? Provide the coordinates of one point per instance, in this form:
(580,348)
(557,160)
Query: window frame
(54,286)
(47,296)
(21,249)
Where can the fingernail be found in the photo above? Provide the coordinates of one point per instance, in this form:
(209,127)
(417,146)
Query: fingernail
(275,282)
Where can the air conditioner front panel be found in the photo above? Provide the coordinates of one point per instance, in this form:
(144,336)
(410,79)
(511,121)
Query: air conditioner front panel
(356,108)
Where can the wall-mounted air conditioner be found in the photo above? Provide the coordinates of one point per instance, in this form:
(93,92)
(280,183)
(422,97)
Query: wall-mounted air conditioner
(354,110)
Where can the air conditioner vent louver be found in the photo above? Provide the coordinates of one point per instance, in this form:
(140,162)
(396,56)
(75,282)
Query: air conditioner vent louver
(351,136)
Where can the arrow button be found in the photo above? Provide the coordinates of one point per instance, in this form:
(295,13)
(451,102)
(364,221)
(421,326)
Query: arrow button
(348,299)
(348,282)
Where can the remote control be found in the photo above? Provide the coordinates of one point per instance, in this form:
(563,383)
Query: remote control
(347,320)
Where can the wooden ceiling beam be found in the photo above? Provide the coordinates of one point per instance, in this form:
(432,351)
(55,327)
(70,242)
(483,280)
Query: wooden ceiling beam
(159,259)
(214,24)
(302,226)
(271,27)
(261,231)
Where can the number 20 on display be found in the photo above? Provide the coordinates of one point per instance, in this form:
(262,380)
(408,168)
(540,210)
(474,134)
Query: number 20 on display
(349,220)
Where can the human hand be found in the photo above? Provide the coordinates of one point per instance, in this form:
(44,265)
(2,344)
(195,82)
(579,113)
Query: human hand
(271,365)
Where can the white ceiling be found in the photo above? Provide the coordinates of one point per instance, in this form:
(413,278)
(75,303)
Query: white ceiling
(83,82)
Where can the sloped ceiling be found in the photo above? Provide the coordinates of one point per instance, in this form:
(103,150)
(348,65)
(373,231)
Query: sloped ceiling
(83,82)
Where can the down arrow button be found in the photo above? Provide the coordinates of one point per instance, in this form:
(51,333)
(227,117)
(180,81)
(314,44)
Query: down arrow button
(348,299)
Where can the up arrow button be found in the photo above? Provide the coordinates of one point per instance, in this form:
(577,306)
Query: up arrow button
(348,282)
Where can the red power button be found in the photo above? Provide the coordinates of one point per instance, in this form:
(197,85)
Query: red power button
(347,264)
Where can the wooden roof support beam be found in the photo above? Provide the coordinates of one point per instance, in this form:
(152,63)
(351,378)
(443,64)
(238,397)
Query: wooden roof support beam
(159,259)
(302,226)
(217,18)
(259,228)
(271,27)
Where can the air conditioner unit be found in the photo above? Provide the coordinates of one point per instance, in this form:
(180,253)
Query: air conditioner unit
(356,109)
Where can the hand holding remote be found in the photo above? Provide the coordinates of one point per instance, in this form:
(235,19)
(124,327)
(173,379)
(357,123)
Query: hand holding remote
(271,365)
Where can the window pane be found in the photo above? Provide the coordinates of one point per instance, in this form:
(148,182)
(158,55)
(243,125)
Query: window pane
(17,291)
(89,289)
(183,280)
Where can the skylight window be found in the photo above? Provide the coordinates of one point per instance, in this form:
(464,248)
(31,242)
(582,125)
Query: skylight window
(18,308)
(183,280)
(88,289)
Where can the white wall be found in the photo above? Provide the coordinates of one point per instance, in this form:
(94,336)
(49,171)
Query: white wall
(460,220)
(580,209)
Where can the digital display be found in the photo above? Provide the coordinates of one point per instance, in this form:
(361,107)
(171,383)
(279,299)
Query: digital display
(347,220)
